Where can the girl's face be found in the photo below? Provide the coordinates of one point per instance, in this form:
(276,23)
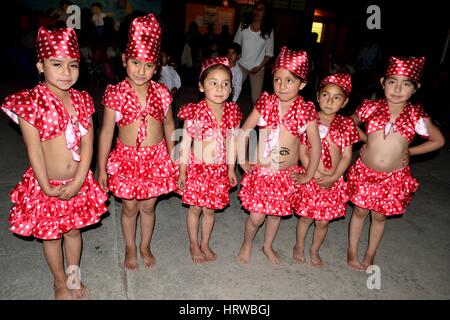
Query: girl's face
(259,12)
(398,89)
(331,99)
(139,72)
(286,86)
(216,86)
(59,73)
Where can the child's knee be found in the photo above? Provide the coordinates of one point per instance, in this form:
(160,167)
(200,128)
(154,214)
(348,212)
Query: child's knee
(378,217)
(72,233)
(360,212)
(148,210)
(129,209)
(322,224)
(306,221)
(256,219)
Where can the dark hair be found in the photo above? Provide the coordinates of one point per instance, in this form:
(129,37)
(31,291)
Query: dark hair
(267,23)
(235,46)
(342,89)
(215,67)
(97,4)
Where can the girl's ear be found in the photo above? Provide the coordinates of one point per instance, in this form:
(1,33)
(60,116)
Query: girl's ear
(345,103)
(417,87)
(40,66)
(124,60)
(382,82)
(302,85)
(200,87)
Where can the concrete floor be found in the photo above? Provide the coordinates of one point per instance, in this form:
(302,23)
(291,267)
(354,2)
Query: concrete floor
(414,257)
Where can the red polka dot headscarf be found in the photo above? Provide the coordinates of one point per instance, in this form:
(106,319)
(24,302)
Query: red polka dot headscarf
(408,67)
(58,43)
(343,80)
(144,39)
(207,63)
(294,61)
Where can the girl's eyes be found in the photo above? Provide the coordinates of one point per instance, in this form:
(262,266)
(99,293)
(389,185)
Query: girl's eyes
(56,64)
(74,66)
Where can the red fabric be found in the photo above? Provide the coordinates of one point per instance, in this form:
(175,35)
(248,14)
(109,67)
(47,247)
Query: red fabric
(123,99)
(144,39)
(202,124)
(388,193)
(213,61)
(343,80)
(36,214)
(268,191)
(207,185)
(314,202)
(342,132)
(294,61)
(141,173)
(408,67)
(300,113)
(58,43)
(376,114)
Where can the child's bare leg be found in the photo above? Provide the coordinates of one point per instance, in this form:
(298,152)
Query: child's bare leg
(272,225)
(54,256)
(254,221)
(192,221)
(355,228)
(148,217)
(375,235)
(302,229)
(72,247)
(128,221)
(320,231)
(207,227)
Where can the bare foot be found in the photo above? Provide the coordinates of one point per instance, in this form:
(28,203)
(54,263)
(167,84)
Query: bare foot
(316,261)
(197,255)
(354,264)
(82,293)
(209,254)
(62,292)
(130,262)
(272,255)
(298,255)
(244,254)
(368,261)
(148,258)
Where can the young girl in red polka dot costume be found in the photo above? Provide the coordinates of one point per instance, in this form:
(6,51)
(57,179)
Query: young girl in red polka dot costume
(324,198)
(58,194)
(139,169)
(283,117)
(208,153)
(380,181)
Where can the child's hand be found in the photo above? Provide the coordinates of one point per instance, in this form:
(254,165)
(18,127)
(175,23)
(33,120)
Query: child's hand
(181,181)
(361,151)
(326,181)
(103,180)
(246,167)
(69,190)
(299,178)
(52,191)
(405,158)
(232,178)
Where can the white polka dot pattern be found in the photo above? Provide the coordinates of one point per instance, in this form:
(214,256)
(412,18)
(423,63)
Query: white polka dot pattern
(58,43)
(144,39)
(343,80)
(213,61)
(376,115)
(409,67)
(294,61)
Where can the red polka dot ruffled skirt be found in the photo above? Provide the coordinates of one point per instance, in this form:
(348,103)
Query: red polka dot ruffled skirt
(268,191)
(207,185)
(314,202)
(388,193)
(141,173)
(36,214)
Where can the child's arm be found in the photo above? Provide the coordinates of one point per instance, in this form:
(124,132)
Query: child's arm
(303,155)
(36,156)
(185,148)
(104,145)
(243,136)
(357,122)
(312,132)
(169,129)
(435,140)
(86,150)
(326,181)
